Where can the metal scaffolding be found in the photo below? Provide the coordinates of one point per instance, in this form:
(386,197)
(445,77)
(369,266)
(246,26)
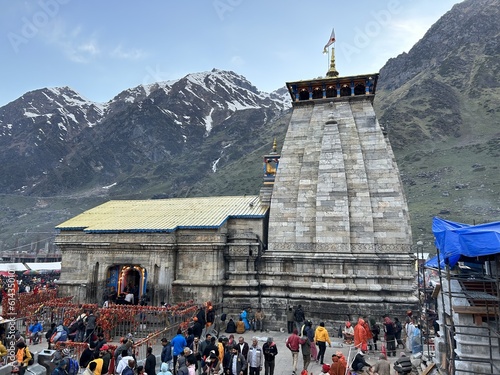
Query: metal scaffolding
(466,301)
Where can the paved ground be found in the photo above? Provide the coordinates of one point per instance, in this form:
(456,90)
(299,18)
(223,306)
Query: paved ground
(284,357)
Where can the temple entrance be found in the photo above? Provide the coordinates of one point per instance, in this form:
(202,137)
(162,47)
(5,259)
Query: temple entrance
(129,282)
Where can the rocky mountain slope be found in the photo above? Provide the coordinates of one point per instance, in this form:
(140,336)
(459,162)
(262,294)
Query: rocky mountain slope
(439,103)
(205,134)
(54,141)
(60,153)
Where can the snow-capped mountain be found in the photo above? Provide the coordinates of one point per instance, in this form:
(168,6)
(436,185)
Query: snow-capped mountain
(54,140)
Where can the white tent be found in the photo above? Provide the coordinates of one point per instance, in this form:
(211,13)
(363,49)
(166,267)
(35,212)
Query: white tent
(49,266)
(13,267)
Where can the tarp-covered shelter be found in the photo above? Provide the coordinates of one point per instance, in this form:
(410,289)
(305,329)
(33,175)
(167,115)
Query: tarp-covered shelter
(454,240)
(468,297)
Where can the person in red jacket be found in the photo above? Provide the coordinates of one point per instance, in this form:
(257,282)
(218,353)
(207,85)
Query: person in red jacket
(337,367)
(293,343)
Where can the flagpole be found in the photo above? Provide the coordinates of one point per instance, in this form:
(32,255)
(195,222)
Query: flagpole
(328,59)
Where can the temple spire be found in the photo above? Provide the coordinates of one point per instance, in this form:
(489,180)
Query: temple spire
(332,72)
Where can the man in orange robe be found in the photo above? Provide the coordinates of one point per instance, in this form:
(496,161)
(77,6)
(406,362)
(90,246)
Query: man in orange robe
(360,335)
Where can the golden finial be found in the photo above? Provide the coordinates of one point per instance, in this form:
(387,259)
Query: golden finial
(332,72)
(275,145)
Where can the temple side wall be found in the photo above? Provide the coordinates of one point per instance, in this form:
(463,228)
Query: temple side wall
(187,264)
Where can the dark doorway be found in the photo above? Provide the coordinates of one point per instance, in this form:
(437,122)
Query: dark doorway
(317,93)
(304,94)
(331,92)
(359,89)
(345,90)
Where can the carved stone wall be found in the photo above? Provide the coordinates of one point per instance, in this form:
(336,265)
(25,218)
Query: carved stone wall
(339,231)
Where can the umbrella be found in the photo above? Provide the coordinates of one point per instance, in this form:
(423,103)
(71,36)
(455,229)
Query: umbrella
(31,272)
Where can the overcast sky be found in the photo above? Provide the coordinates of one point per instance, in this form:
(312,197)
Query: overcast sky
(100,48)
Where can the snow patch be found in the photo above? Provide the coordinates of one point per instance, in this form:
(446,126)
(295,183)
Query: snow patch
(30,114)
(110,186)
(208,123)
(71,116)
(237,106)
(214,165)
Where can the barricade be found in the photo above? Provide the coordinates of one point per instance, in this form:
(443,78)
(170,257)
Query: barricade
(141,346)
(119,320)
(22,303)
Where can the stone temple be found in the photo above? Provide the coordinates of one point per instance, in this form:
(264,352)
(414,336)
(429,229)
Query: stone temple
(329,230)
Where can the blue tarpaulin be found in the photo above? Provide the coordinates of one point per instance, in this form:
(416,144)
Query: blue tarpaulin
(454,240)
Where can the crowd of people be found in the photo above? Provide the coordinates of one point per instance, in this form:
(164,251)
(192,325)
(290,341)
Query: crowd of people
(247,321)
(29,283)
(200,351)
(362,336)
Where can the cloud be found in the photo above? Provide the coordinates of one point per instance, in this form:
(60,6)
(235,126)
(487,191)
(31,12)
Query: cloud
(237,61)
(81,51)
(89,48)
(72,42)
(412,30)
(123,53)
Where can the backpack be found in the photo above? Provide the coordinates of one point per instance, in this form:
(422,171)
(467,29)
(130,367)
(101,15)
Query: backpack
(398,326)
(73,366)
(64,336)
(299,315)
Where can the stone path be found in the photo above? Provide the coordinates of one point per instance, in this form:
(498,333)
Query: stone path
(284,357)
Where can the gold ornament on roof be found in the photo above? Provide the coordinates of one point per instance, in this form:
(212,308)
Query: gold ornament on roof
(332,72)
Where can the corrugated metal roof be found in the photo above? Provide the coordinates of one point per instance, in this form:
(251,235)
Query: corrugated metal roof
(165,215)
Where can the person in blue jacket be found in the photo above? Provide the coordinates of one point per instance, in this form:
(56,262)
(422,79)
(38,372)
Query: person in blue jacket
(244,317)
(178,344)
(35,330)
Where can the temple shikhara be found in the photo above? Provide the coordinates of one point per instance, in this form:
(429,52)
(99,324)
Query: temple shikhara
(329,229)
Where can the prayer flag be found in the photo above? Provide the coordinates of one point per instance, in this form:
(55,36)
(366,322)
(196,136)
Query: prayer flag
(330,41)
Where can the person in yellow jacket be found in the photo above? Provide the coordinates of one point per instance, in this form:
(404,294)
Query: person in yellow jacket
(23,357)
(321,337)
(3,350)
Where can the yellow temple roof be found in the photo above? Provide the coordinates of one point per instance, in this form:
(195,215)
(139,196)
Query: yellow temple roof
(165,215)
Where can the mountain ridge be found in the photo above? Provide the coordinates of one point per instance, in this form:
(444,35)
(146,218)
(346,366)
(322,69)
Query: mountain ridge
(205,134)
